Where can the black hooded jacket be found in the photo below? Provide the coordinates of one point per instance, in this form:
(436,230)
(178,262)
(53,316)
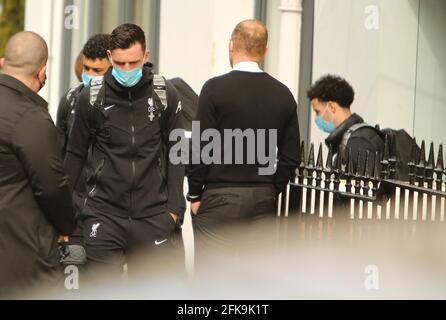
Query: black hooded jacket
(361,140)
(127,179)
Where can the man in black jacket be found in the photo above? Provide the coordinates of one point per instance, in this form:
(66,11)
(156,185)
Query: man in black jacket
(331,98)
(35,204)
(247,99)
(134,197)
(95,63)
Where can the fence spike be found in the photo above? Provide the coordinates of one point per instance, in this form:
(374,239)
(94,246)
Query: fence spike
(430,161)
(302,163)
(367,172)
(440,162)
(349,169)
(439,168)
(386,154)
(329,163)
(376,174)
(310,163)
(302,154)
(358,164)
(319,162)
(421,165)
(422,157)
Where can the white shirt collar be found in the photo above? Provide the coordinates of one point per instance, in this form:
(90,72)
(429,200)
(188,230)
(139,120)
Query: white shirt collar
(248,66)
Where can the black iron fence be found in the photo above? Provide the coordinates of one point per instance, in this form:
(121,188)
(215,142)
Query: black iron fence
(370,190)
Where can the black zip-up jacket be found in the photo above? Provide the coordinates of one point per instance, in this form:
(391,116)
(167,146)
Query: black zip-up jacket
(362,140)
(35,204)
(127,178)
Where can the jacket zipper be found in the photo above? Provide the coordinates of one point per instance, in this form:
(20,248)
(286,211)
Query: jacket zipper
(96,175)
(133,141)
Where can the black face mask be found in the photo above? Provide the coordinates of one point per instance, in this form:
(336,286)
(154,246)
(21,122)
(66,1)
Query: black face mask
(42,84)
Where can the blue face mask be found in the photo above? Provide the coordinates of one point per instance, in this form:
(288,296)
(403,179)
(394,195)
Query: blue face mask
(127,78)
(86,79)
(327,127)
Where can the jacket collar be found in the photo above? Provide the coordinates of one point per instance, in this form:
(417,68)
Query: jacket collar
(17,85)
(335,138)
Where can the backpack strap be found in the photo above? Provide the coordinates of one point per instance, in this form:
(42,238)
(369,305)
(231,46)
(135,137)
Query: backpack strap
(96,85)
(349,132)
(71,99)
(159,95)
(159,87)
(97,99)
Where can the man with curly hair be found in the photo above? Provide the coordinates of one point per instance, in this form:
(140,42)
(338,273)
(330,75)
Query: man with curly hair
(331,97)
(94,63)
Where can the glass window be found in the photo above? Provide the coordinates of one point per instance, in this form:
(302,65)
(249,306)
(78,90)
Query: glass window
(430,95)
(102,16)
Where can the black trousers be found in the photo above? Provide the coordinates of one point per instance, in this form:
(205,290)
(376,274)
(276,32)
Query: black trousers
(145,245)
(227,221)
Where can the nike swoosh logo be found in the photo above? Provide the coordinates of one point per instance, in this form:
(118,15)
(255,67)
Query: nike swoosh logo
(109,107)
(157,243)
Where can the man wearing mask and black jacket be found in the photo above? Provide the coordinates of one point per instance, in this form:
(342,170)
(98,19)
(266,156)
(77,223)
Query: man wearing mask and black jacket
(35,205)
(134,199)
(331,98)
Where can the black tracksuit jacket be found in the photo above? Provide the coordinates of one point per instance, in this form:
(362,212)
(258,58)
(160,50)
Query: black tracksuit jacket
(126,179)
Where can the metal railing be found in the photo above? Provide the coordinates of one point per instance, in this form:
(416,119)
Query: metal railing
(370,190)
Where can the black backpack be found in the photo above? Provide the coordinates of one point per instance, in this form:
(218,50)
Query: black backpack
(402,147)
(189,101)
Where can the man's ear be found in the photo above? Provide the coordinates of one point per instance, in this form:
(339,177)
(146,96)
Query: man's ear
(147,56)
(109,55)
(231,45)
(332,107)
(2,62)
(42,73)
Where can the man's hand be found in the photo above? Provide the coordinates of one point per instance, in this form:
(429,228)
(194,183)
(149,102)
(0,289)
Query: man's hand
(63,239)
(174,216)
(195,206)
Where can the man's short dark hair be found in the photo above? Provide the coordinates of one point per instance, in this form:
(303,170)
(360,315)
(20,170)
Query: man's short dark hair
(96,47)
(126,35)
(332,88)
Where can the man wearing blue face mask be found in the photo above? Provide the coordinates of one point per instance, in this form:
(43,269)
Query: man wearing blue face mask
(134,196)
(95,64)
(331,98)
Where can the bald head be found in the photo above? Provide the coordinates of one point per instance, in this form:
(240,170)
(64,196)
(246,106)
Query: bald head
(250,37)
(25,54)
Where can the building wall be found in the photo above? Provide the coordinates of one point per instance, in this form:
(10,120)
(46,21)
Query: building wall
(46,18)
(194,37)
(373,44)
(430,107)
